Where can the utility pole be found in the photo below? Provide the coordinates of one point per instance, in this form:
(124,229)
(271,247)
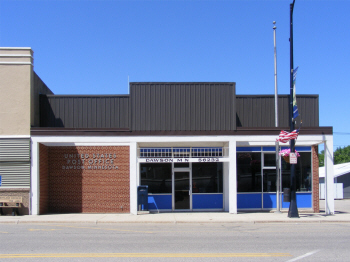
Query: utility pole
(293,209)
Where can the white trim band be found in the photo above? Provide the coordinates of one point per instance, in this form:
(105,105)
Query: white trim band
(16,55)
(16,63)
(15,136)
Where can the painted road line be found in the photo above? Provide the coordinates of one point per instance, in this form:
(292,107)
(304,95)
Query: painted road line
(303,256)
(151,255)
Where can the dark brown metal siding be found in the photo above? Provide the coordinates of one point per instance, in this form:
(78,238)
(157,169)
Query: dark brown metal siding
(182,106)
(308,108)
(259,111)
(84,111)
(39,87)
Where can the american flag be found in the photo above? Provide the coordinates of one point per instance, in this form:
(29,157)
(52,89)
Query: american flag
(285,136)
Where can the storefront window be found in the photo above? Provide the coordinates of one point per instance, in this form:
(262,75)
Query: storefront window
(157,177)
(207,178)
(302,172)
(249,172)
(269,160)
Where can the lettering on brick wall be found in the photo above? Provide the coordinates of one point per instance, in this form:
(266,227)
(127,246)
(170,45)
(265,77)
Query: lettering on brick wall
(94,161)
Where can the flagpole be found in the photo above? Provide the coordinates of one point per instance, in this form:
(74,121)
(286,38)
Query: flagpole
(293,209)
(278,183)
(275,62)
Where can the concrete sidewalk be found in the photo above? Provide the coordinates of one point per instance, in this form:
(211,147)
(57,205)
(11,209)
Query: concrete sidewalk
(342,215)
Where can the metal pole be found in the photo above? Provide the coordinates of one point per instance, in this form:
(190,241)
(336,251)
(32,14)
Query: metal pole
(278,205)
(278,180)
(293,209)
(275,56)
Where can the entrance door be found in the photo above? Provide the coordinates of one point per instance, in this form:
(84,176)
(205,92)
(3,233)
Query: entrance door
(269,180)
(182,191)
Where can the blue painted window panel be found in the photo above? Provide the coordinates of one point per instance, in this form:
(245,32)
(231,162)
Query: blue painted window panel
(249,200)
(269,149)
(269,200)
(207,201)
(298,148)
(248,149)
(303,148)
(159,202)
(304,200)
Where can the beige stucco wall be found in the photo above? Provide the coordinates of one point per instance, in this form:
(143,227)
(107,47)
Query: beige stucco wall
(16,81)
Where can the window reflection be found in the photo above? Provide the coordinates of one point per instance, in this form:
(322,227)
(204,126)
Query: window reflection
(302,172)
(207,178)
(270,159)
(157,177)
(179,165)
(249,172)
(269,180)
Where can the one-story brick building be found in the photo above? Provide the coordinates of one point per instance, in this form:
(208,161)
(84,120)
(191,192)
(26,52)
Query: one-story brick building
(198,146)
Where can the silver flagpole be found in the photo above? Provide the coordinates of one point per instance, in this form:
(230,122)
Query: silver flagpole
(278,183)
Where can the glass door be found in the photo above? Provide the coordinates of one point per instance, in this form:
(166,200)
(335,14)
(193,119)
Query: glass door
(182,190)
(269,180)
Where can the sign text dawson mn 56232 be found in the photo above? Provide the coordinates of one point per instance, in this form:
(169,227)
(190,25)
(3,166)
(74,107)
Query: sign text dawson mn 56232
(182,160)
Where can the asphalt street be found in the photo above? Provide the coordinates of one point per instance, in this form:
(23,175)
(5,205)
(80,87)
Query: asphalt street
(76,237)
(175,242)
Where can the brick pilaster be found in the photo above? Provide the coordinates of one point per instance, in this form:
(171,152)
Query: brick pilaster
(315,180)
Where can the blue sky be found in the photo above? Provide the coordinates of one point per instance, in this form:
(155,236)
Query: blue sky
(93,47)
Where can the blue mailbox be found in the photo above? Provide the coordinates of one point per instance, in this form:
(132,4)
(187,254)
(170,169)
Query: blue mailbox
(142,198)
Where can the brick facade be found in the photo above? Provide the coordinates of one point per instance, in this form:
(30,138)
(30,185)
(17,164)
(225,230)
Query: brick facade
(19,192)
(86,179)
(315,180)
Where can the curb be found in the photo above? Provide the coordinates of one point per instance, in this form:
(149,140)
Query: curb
(96,222)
